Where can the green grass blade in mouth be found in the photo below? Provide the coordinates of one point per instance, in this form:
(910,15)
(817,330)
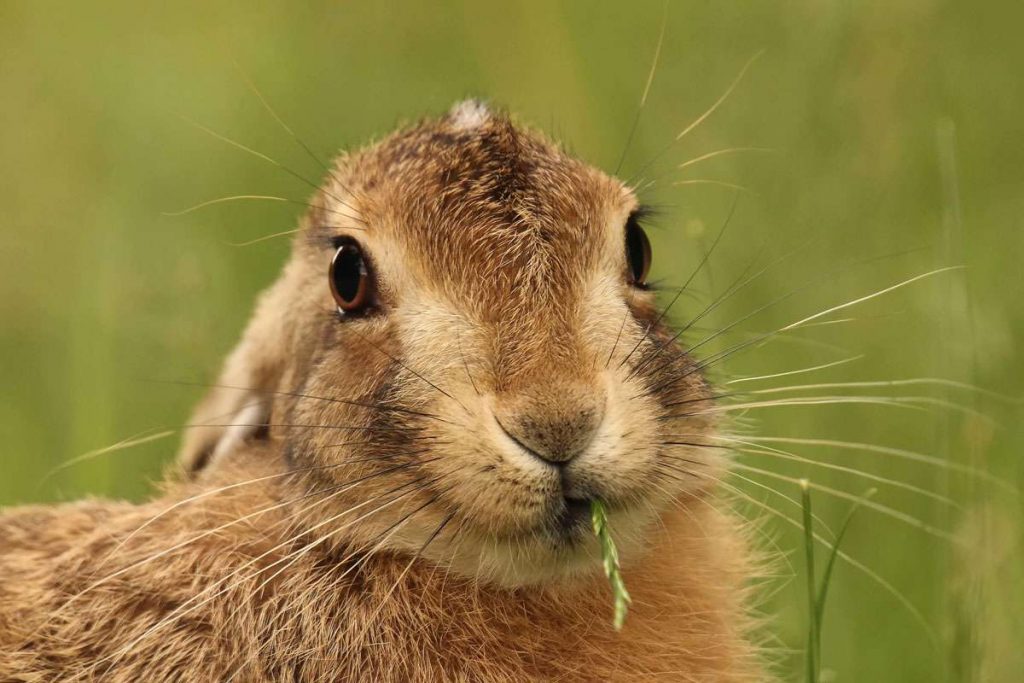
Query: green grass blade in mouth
(610,556)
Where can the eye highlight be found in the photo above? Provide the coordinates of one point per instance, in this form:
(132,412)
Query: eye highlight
(638,252)
(350,279)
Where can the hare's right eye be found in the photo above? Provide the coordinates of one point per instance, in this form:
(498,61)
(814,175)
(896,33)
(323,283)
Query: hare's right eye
(350,279)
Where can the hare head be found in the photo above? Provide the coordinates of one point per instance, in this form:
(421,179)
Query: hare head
(462,353)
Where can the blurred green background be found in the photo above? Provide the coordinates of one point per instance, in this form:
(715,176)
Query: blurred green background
(898,147)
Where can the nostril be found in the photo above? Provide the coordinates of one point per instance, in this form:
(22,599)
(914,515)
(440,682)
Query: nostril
(555,421)
(555,444)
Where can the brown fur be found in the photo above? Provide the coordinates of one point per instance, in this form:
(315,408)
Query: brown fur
(358,508)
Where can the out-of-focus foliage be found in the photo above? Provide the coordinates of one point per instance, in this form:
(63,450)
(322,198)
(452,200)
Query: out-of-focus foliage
(898,148)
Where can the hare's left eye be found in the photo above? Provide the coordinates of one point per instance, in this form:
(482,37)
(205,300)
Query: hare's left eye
(350,279)
(638,252)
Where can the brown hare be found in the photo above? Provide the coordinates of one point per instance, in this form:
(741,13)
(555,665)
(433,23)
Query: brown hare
(392,478)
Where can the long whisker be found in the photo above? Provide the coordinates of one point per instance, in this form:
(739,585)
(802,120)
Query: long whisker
(700,266)
(130,442)
(787,455)
(775,492)
(912,402)
(274,162)
(401,576)
(718,357)
(249,482)
(333,491)
(266,238)
(911,456)
(911,381)
(411,371)
(700,119)
(257,197)
(717,183)
(737,285)
(864,569)
(647,89)
(367,550)
(813,368)
(178,612)
(870,504)
(297,425)
(868,297)
(301,395)
(721,152)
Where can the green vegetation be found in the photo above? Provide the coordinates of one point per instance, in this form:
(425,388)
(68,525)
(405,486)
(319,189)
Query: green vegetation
(880,141)
(610,558)
(818,592)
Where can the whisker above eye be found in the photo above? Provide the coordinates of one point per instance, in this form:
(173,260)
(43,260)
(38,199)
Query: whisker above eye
(258,197)
(273,162)
(647,90)
(718,183)
(700,119)
(721,152)
(265,238)
(291,133)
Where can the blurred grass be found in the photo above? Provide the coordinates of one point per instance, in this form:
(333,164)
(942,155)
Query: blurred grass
(898,130)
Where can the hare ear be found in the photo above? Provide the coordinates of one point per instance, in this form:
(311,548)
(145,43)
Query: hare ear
(238,407)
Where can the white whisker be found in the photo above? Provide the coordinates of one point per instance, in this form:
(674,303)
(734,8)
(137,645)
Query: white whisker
(814,368)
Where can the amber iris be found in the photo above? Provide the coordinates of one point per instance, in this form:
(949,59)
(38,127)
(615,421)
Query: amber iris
(350,278)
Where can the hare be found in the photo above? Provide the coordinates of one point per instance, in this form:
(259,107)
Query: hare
(392,478)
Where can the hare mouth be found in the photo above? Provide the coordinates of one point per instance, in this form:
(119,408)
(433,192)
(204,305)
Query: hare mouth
(572,520)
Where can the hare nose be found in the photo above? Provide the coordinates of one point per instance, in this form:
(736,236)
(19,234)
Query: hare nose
(555,425)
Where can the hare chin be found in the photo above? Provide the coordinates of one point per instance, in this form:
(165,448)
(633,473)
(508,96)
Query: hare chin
(547,557)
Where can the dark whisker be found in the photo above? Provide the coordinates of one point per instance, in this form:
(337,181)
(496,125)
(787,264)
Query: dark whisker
(410,370)
(294,394)
(703,261)
(465,364)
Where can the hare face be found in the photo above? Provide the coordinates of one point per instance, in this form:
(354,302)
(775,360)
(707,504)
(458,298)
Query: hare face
(472,356)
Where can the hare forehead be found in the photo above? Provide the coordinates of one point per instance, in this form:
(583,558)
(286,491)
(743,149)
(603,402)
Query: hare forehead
(480,206)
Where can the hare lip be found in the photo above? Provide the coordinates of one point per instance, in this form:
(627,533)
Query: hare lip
(573,517)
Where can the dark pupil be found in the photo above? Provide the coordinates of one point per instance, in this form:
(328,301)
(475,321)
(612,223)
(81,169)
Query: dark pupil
(636,251)
(348,272)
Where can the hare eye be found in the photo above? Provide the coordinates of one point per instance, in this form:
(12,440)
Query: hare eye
(350,279)
(638,252)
